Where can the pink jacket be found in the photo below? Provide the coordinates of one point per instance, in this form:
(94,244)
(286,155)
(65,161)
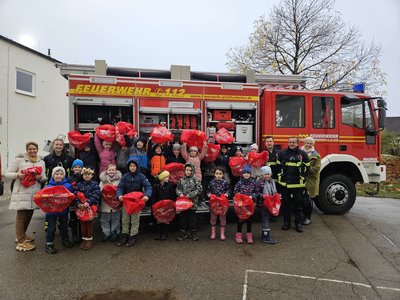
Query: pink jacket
(196,161)
(106,156)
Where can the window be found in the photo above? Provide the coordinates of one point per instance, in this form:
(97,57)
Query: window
(352,113)
(323,112)
(25,83)
(289,111)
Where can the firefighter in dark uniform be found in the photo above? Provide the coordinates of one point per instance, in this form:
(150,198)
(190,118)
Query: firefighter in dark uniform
(272,158)
(293,164)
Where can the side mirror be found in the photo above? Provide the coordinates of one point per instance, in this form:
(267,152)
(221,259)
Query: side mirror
(382,117)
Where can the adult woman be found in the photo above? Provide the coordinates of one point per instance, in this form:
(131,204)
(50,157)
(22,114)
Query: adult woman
(22,196)
(312,179)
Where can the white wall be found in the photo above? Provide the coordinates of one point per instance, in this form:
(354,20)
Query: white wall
(26,118)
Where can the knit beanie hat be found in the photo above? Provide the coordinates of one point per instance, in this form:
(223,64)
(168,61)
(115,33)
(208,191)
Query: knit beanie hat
(194,148)
(77,162)
(162,175)
(246,169)
(266,170)
(57,169)
(176,146)
(254,147)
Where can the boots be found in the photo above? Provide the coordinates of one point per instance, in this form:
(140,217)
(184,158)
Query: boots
(159,232)
(249,238)
(222,235)
(213,229)
(83,244)
(266,237)
(239,238)
(88,244)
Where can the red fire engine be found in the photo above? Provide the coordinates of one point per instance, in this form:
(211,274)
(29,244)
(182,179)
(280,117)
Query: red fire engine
(346,126)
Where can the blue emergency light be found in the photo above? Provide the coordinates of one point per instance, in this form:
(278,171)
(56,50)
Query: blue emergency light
(359,88)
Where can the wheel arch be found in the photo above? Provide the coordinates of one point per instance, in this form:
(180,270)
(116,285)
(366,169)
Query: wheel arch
(344,164)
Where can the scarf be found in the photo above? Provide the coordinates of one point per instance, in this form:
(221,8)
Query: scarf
(31,159)
(309,151)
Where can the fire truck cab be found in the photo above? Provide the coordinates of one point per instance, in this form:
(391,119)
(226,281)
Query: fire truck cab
(346,126)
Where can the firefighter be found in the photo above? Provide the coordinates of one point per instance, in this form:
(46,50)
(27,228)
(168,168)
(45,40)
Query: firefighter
(272,157)
(293,164)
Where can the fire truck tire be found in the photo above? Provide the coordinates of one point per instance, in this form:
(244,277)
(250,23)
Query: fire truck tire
(337,195)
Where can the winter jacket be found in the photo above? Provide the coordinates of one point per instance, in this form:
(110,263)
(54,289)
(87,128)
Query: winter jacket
(222,162)
(66,184)
(105,179)
(90,189)
(165,191)
(74,179)
(312,177)
(52,160)
(140,155)
(218,187)
(172,158)
(195,161)
(157,162)
(22,197)
(293,165)
(190,186)
(247,187)
(134,182)
(107,157)
(208,168)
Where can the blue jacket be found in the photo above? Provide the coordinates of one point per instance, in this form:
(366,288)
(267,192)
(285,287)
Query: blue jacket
(134,182)
(65,183)
(90,189)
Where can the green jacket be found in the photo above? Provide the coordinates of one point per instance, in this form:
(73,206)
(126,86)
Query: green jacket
(191,187)
(312,178)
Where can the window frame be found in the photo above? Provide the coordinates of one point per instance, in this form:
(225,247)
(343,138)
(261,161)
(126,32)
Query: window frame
(303,98)
(33,81)
(332,110)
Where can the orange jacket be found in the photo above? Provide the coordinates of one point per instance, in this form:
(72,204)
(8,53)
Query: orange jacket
(157,162)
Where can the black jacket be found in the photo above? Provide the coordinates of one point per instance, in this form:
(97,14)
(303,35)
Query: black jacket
(163,192)
(293,166)
(272,158)
(52,161)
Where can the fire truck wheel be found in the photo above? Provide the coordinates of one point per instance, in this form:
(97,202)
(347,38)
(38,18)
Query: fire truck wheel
(337,195)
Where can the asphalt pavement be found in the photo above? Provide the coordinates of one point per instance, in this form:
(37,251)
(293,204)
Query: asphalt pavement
(355,256)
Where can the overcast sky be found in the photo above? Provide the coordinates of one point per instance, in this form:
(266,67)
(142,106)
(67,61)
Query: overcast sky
(159,33)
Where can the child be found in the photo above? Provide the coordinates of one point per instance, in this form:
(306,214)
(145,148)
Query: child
(255,171)
(190,187)
(137,150)
(110,216)
(162,190)
(194,157)
(91,190)
(57,178)
(266,185)
(75,177)
(176,155)
(157,161)
(222,162)
(106,153)
(246,185)
(133,181)
(218,186)
(89,156)
(235,151)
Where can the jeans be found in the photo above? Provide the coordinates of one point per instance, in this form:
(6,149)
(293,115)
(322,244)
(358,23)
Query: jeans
(110,222)
(52,225)
(264,218)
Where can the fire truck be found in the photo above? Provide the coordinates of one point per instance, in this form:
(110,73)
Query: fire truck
(345,125)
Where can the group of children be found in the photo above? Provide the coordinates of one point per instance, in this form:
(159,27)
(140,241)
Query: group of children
(144,173)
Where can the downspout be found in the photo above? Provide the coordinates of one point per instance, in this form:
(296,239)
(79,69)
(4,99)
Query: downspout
(8,106)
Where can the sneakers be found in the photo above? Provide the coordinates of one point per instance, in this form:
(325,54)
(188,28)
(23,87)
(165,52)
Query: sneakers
(239,238)
(25,246)
(114,237)
(193,236)
(132,241)
(266,237)
(123,240)
(306,221)
(50,249)
(182,235)
(28,239)
(105,238)
(249,238)
(67,244)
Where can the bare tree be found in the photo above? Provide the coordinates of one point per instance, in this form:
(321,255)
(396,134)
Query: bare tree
(308,37)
